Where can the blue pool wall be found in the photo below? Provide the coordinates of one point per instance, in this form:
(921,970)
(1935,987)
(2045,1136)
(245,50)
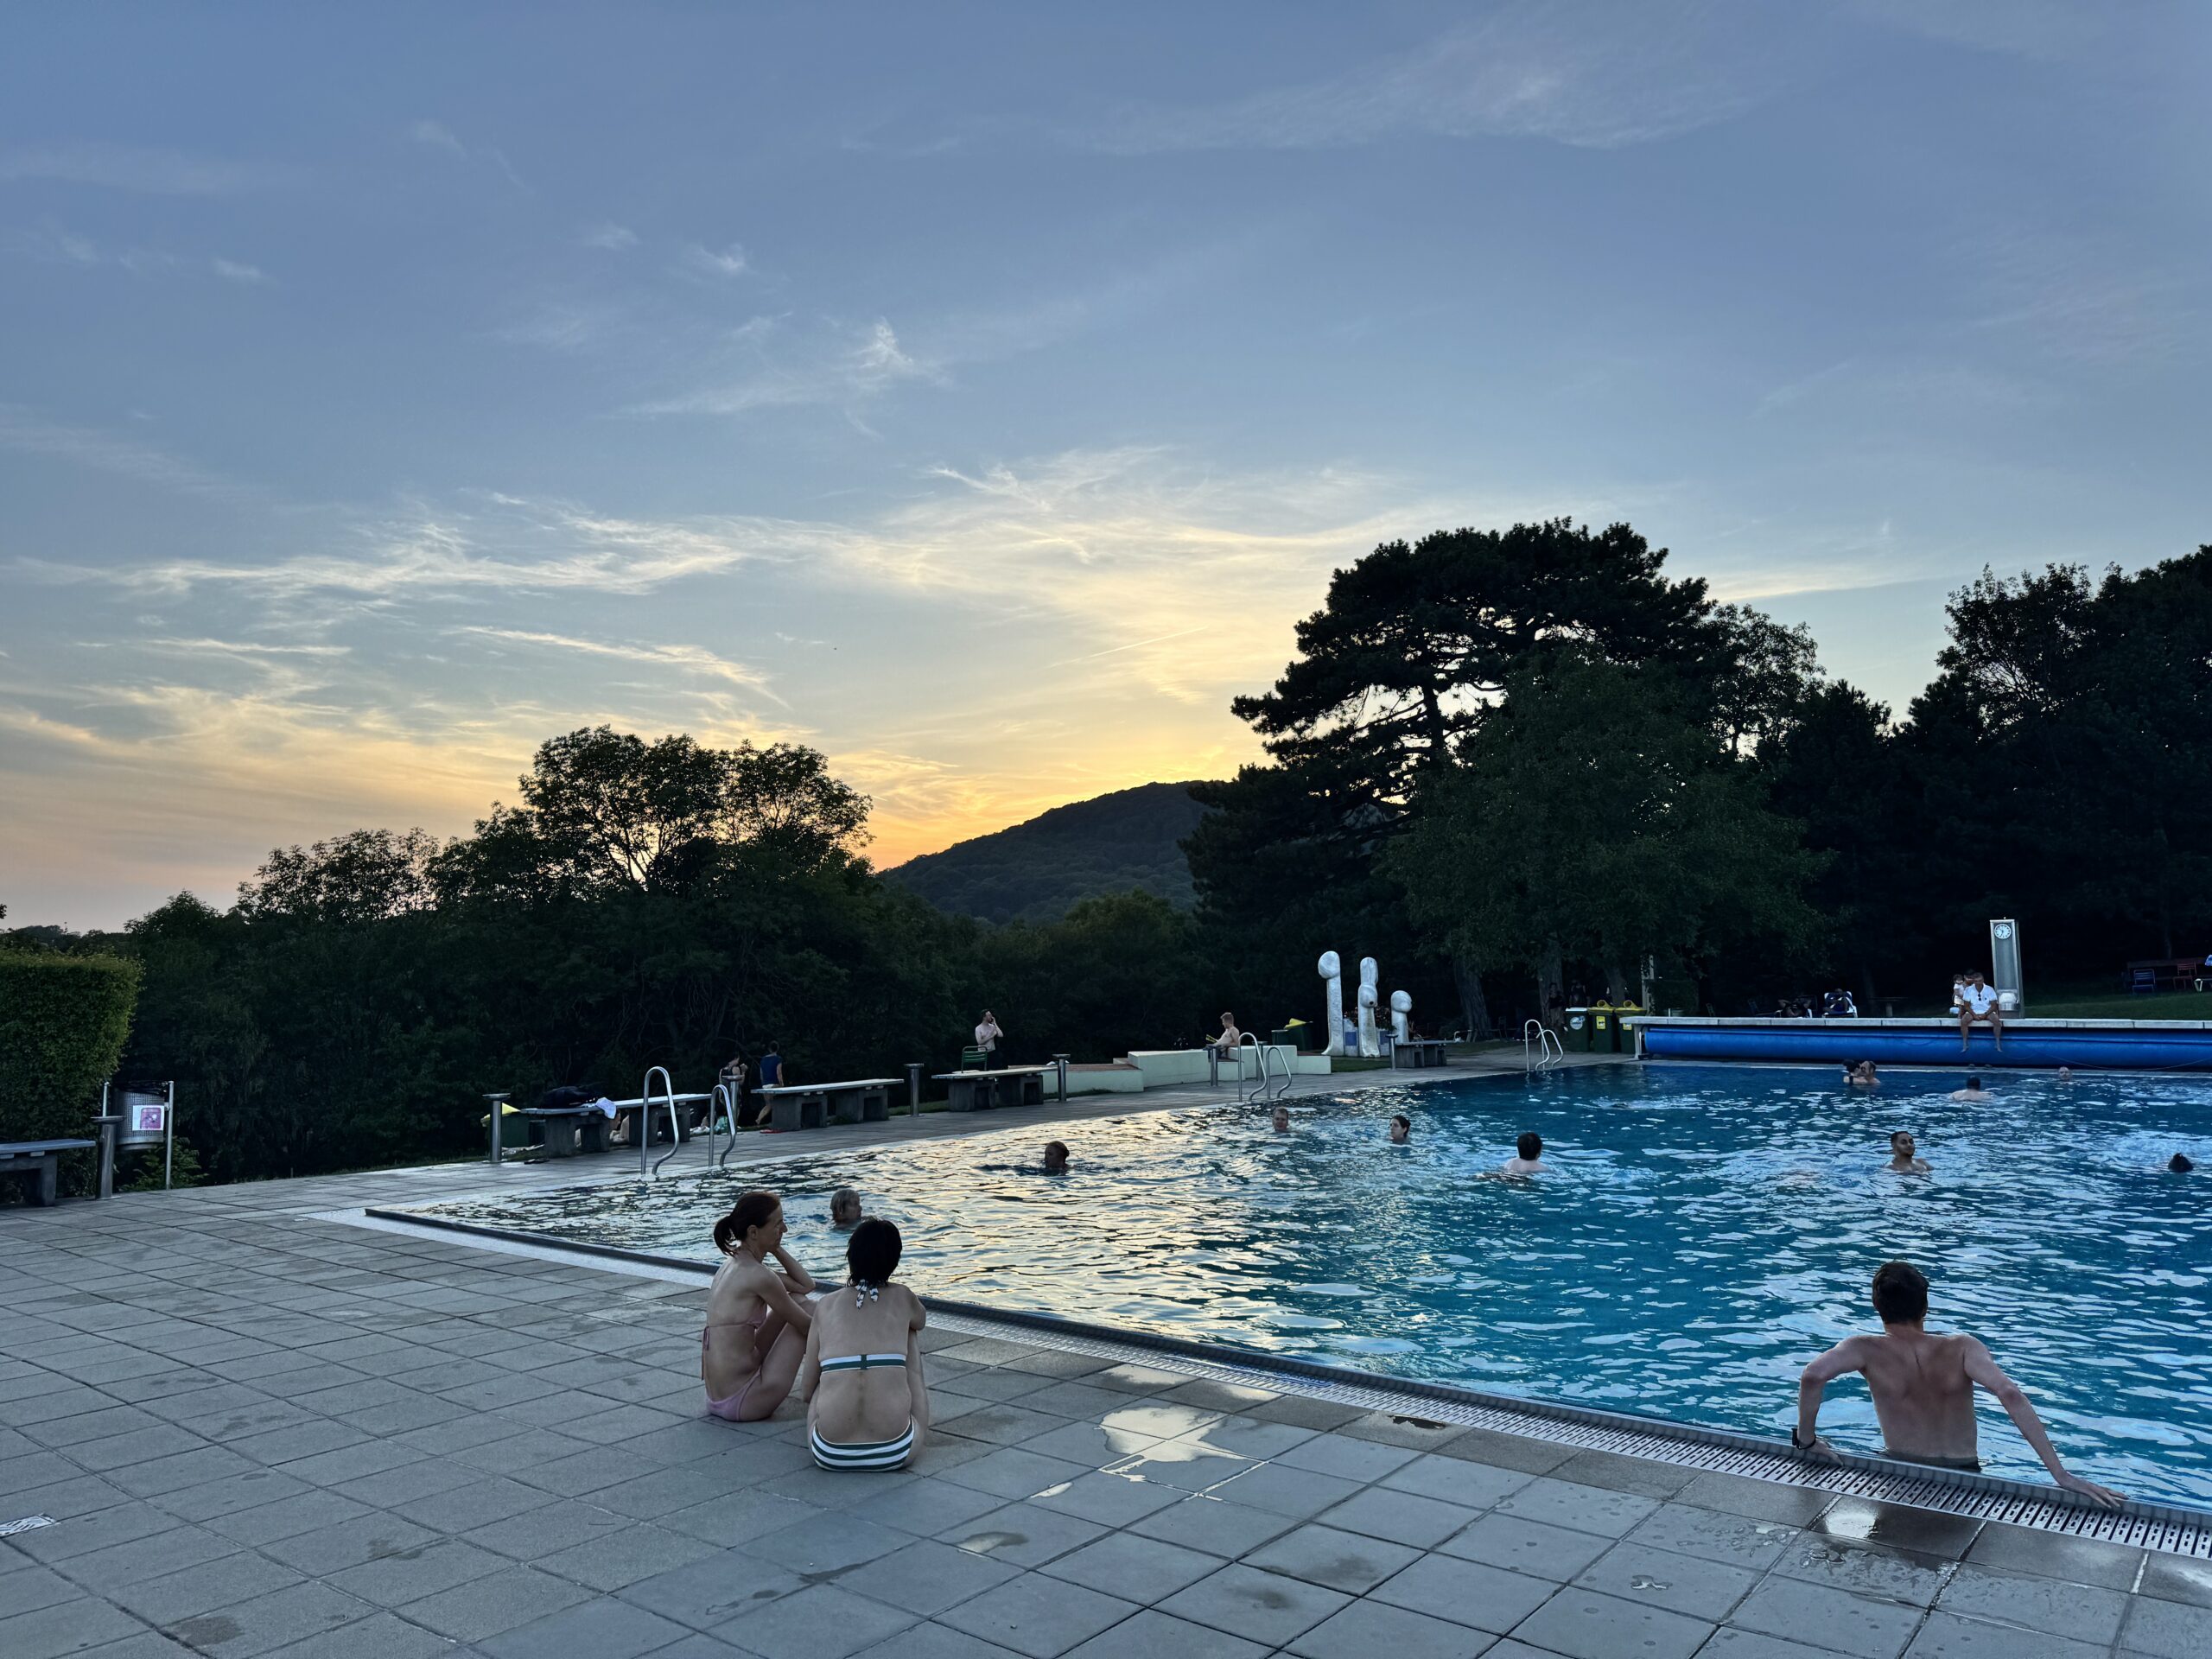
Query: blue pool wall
(2099,1045)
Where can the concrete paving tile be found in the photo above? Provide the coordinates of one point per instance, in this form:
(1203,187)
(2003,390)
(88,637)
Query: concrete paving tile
(1886,1574)
(1008,1425)
(1643,1476)
(1212,1527)
(288,1517)
(1151,1634)
(1300,1494)
(84,1430)
(105,1570)
(357,1460)
(242,1629)
(372,1537)
(1136,1379)
(408,1575)
(140,1446)
(926,1577)
(1348,1561)
(64,1627)
(732,1519)
(2168,1630)
(503,1454)
(244,1491)
(1248,1437)
(1896,1525)
(925,1506)
(711,1591)
(2169,1577)
(623,1558)
(1305,1412)
(1110,1500)
(1346,1457)
(148,1644)
(1520,1544)
(88,1532)
(1397,1518)
(1465,1592)
(200,1589)
(1135,1568)
(2078,1561)
(499,1602)
(1760,1500)
(1733,1540)
(1210,1394)
(390,1488)
(1584,1624)
(1579,1509)
(585,1471)
(1266,1607)
(30,1587)
(1849,1624)
(1947,1636)
(1681,1583)
(1517,1451)
(1069,1399)
(1455,1480)
(1012,1471)
(829,1488)
(827,1544)
(485,1499)
(820,1622)
(1040,1617)
(1729,1642)
(306,1440)
(1376,1628)
(1092,1445)
(2086,1614)
(1021,1535)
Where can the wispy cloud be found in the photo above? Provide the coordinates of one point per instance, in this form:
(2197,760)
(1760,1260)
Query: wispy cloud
(51,242)
(696,658)
(1592,76)
(2079,297)
(729,262)
(433,134)
(614,238)
(143,171)
(28,433)
(838,366)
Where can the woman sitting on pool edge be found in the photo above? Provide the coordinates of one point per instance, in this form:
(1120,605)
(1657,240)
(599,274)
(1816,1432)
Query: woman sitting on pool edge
(757,1326)
(867,1403)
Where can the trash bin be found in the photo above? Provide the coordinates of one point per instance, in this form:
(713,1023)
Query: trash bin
(1624,1034)
(1603,1027)
(971,1059)
(1292,1036)
(1578,1030)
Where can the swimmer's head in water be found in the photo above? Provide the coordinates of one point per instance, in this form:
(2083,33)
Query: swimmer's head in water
(1530,1146)
(1974,1083)
(1900,1293)
(844,1207)
(1401,1127)
(2066,1074)
(1056,1156)
(2179,1164)
(1282,1117)
(873,1254)
(1901,1143)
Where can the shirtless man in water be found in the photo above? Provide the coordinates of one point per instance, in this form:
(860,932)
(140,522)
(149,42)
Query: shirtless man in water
(1903,1156)
(1923,1389)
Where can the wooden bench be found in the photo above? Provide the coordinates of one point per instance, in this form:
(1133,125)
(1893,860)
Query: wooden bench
(41,1161)
(813,1105)
(1417,1052)
(570,1130)
(1012,1086)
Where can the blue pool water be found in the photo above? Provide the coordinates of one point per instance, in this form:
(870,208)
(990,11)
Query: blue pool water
(1705,1231)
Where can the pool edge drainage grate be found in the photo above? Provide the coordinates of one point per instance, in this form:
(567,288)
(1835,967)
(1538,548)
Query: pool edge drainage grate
(2170,1528)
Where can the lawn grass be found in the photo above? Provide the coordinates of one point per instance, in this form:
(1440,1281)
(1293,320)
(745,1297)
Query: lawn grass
(2164,1005)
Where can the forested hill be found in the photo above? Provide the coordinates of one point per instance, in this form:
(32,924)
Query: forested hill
(1033,872)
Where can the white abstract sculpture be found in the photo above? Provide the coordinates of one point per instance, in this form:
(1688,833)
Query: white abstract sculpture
(1333,971)
(1371,1039)
(1401,1011)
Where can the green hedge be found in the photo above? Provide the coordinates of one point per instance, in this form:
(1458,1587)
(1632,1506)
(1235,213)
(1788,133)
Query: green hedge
(63,1020)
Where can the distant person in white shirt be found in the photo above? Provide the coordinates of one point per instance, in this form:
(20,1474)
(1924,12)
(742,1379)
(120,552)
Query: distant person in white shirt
(1978,1000)
(987,1038)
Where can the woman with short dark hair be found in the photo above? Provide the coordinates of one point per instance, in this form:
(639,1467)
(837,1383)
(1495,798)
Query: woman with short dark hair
(867,1403)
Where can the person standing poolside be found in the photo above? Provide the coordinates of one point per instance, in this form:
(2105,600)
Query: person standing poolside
(1902,1156)
(771,1068)
(1972,1091)
(868,1404)
(1923,1389)
(986,1038)
(1402,1129)
(756,1330)
(844,1209)
(1979,1002)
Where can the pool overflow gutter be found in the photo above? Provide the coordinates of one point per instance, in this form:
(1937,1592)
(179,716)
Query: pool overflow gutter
(2174,1529)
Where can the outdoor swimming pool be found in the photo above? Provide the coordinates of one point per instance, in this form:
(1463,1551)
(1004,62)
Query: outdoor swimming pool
(1707,1230)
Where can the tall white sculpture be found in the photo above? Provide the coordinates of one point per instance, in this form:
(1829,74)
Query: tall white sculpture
(1401,1016)
(1370,977)
(1333,971)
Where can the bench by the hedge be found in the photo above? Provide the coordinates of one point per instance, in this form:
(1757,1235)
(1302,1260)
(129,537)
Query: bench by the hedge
(41,1161)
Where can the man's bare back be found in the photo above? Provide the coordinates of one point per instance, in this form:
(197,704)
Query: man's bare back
(1923,1386)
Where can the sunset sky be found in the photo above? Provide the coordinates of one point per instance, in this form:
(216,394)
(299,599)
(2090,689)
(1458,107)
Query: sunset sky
(979,394)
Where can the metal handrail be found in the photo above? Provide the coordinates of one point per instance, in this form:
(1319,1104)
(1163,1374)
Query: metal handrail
(720,1098)
(646,1122)
(1267,1049)
(1550,1050)
(1260,1080)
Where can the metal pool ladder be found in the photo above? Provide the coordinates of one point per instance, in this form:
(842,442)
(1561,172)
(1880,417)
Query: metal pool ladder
(1541,1048)
(1261,1088)
(645,1120)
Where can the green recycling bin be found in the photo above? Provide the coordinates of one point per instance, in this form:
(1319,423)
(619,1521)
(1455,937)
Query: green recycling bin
(1603,1027)
(1624,1033)
(1578,1030)
(1290,1036)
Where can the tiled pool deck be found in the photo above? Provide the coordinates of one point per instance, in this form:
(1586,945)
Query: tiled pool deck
(261,1431)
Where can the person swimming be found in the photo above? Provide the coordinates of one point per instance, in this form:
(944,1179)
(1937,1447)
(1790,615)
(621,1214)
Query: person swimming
(844,1209)
(1402,1129)
(1862,1076)
(1280,1120)
(2179,1164)
(867,1403)
(1528,1157)
(1973,1091)
(757,1326)
(1903,1157)
(2066,1074)
(1055,1158)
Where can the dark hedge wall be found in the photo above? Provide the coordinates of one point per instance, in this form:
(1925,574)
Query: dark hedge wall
(63,1022)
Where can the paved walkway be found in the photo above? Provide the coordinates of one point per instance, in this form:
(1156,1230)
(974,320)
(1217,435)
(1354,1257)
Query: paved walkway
(259,1432)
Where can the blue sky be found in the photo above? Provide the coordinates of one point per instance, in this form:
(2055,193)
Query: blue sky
(979,393)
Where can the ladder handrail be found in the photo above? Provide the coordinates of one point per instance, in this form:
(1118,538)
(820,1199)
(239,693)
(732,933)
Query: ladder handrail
(1550,1050)
(1265,1054)
(646,1122)
(720,1098)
